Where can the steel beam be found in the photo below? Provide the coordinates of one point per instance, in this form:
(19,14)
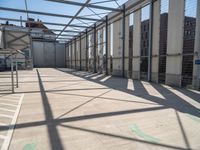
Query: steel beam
(48,23)
(47,14)
(53,30)
(74,17)
(87,5)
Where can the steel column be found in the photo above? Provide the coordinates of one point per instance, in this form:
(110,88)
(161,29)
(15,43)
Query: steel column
(80,54)
(150,41)
(12,75)
(75,51)
(71,56)
(16,70)
(106,42)
(123,39)
(86,36)
(95,69)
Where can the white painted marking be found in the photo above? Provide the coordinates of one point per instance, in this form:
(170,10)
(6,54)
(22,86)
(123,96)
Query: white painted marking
(11,128)
(8,104)
(6,116)
(104,79)
(130,85)
(7,109)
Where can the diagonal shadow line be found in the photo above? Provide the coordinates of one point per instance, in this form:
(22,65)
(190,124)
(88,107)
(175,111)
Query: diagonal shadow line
(177,102)
(52,131)
(75,108)
(183,106)
(64,90)
(85,117)
(183,131)
(190,94)
(107,98)
(122,137)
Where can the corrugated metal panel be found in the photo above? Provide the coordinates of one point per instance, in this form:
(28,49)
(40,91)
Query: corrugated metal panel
(38,54)
(60,55)
(49,54)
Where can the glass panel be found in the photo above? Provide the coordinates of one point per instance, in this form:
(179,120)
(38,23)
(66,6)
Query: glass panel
(144,41)
(164,9)
(188,41)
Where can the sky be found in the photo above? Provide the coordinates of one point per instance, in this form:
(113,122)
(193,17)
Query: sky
(58,8)
(52,7)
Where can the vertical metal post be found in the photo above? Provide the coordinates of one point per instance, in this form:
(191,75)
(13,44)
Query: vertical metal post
(123,40)
(106,40)
(71,56)
(16,69)
(21,21)
(55,54)
(80,54)
(12,76)
(75,51)
(31,51)
(86,39)
(95,55)
(150,40)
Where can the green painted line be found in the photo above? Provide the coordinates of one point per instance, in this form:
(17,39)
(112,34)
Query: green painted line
(197,119)
(31,146)
(141,134)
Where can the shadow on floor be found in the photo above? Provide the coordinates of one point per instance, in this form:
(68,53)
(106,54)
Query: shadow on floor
(171,101)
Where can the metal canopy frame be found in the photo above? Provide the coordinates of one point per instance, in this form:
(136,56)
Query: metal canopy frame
(86,21)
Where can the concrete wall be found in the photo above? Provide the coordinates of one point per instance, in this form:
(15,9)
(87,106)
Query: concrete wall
(117,48)
(1,39)
(126,61)
(155,45)
(136,45)
(175,42)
